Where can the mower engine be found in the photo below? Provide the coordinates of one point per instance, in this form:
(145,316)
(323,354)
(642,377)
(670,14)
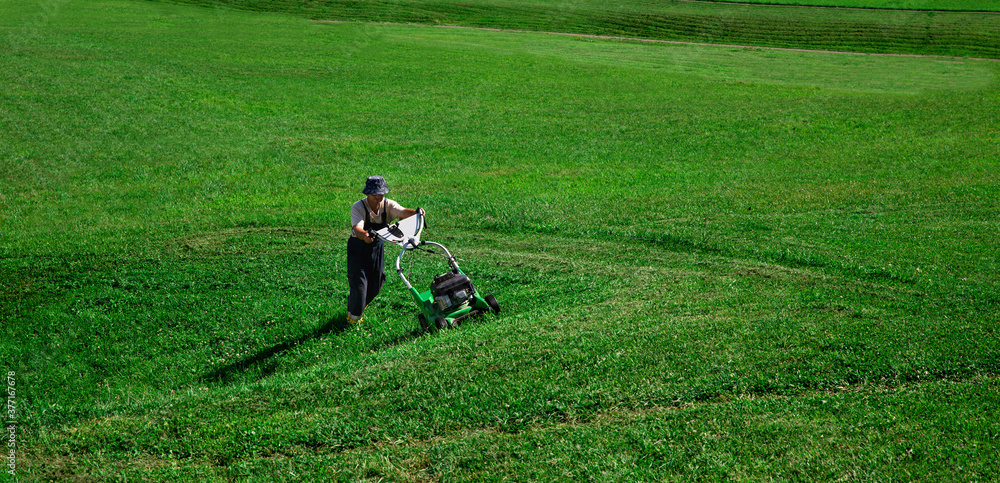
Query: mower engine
(451,291)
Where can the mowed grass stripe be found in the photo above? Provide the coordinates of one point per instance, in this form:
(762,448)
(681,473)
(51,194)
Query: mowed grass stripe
(820,437)
(908,5)
(902,32)
(719,334)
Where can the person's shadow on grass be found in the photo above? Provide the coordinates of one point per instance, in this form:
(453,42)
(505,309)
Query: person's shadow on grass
(262,363)
(262,359)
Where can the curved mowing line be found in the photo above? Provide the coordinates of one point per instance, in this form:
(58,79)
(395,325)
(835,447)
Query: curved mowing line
(677,42)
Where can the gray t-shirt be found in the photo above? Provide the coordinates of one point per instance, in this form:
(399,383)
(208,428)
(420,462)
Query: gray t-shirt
(388,207)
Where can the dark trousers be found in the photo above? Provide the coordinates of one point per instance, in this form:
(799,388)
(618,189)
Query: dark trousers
(365,273)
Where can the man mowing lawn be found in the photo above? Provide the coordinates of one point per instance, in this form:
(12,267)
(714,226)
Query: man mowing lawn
(365,253)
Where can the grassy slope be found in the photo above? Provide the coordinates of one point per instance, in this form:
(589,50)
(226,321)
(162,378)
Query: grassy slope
(900,32)
(791,279)
(940,5)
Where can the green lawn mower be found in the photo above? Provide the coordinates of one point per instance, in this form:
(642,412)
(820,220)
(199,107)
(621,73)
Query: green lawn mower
(452,297)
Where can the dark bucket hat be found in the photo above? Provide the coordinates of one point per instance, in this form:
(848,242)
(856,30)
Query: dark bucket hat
(376,185)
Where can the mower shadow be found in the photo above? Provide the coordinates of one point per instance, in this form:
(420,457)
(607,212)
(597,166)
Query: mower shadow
(232,371)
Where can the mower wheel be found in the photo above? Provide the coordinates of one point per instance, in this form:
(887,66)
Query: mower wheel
(423,322)
(492,302)
(441,322)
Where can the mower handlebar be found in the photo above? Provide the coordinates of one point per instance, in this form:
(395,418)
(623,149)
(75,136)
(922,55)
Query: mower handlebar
(399,259)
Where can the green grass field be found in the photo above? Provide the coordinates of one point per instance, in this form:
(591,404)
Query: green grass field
(940,5)
(954,33)
(714,262)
